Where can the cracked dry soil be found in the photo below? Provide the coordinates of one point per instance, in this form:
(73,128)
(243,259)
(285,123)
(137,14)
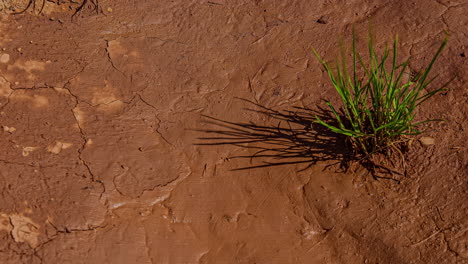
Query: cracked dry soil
(98,112)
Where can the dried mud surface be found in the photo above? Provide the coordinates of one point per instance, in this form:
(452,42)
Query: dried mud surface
(99,110)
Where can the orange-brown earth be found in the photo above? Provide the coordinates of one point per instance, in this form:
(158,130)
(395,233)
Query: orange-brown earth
(100,105)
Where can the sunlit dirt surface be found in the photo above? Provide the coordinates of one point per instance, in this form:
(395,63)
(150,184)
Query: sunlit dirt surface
(103,108)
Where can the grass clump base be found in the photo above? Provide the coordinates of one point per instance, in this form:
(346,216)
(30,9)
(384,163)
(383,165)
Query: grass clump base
(378,108)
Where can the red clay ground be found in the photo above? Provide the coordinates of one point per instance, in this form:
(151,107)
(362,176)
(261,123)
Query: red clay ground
(99,162)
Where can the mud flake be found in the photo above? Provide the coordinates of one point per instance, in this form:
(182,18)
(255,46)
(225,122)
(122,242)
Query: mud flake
(5,224)
(24,230)
(58,147)
(5,89)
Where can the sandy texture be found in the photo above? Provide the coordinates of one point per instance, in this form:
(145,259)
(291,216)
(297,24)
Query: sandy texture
(99,110)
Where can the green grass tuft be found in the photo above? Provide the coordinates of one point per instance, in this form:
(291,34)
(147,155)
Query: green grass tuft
(379,108)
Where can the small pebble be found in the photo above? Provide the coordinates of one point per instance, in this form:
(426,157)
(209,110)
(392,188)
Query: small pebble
(426,141)
(4,58)
(9,129)
(322,20)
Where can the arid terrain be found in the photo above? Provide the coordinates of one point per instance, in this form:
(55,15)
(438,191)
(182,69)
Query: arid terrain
(179,132)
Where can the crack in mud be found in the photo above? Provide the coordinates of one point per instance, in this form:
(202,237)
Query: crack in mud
(109,58)
(158,186)
(83,136)
(157,118)
(65,232)
(144,190)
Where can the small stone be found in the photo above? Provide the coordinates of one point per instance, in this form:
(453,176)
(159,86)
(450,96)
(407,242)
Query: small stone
(4,58)
(19,49)
(109,9)
(27,150)
(145,213)
(9,129)
(58,147)
(322,20)
(427,141)
(343,204)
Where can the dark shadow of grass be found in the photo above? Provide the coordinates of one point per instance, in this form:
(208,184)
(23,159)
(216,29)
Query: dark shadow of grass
(292,138)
